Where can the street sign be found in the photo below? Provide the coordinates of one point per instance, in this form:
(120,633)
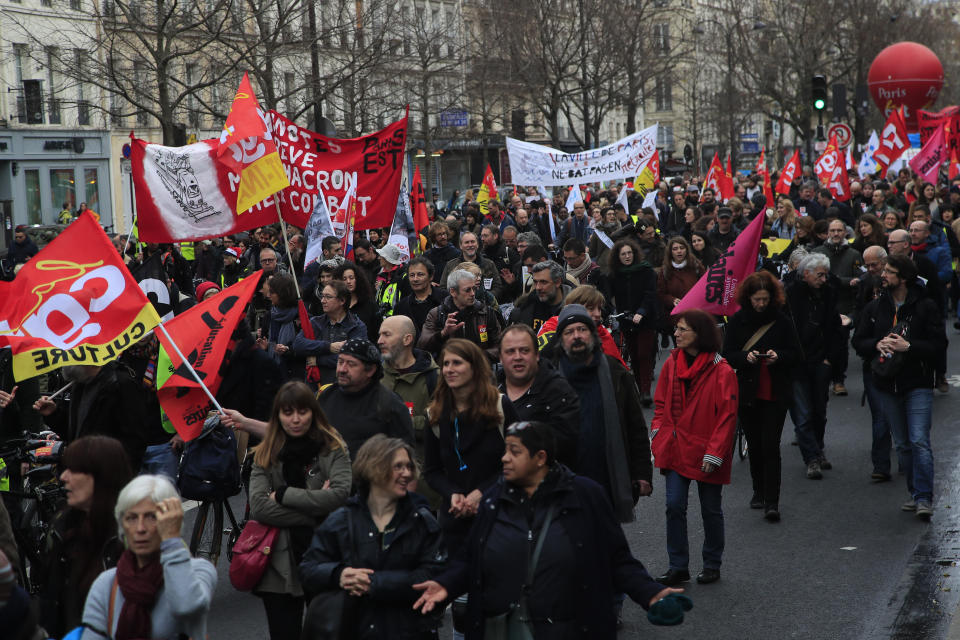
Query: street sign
(126,166)
(126,150)
(454,118)
(819,146)
(843,132)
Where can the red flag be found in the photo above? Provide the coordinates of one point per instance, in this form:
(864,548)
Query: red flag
(831,170)
(790,171)
(932,155)
(418,203)
(248,149)
(203,335)
(954,170)
(715,177)
(729,168)
(764,173)
(488,191)
(655,166)
(714,291)
(893,141)
(74,303)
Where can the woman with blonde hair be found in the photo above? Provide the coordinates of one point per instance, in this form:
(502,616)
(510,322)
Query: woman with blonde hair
(464,441)
(301,474)
(785,225)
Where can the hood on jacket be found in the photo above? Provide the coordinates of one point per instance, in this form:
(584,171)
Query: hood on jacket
(423,362)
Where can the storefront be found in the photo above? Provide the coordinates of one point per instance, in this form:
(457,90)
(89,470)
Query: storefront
(42,170)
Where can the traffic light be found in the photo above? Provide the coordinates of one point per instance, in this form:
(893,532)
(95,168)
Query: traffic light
(819,92)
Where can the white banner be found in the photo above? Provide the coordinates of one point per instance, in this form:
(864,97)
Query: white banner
(535,164)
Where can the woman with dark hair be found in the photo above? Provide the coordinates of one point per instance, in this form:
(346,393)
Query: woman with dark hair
(376,548)
(330,330)
(301,473)
(703,249)
(891,221)
(284,323)
(541,520)
(869,233)
(761,343)
(464,441)
(927,196)
(681,270)
(691,438)
(82,540)
(633,291)
(472,221)
(362,299)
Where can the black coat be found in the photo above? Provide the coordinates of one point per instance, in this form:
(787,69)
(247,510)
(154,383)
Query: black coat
(551,399)
(417,310)
(817,320)
(925,333)
(439,256)
(781,338)
(362,415)
(635,292)
(585,559)
(415,553)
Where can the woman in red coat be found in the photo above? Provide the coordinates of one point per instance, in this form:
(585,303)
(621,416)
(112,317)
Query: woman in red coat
(694,422)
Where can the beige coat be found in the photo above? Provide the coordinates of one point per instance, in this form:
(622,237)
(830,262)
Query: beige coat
(301,507)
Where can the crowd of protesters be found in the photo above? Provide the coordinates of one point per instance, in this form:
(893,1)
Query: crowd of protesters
(446,411)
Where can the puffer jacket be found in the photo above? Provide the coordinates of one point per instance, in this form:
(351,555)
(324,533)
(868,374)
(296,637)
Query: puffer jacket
(300,508)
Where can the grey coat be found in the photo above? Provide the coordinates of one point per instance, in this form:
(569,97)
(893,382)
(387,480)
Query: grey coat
(301,507)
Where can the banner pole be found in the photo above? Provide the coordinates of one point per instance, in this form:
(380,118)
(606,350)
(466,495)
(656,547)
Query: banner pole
(189,366)
(286,242)
(60,390)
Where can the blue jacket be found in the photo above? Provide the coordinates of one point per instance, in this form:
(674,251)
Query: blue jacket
(938,252)
(349,327)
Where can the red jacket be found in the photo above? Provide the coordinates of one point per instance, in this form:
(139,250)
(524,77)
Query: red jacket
(702,425)
(549,328)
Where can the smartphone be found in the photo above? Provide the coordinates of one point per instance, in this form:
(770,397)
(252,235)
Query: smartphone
(763,355)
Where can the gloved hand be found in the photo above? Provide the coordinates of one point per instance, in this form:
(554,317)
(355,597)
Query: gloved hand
(668,611)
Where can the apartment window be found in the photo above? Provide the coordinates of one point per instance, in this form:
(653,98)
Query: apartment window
(46,3)
(75,5)
(665,136)
(83,107)
(193,115)
(31,179)
(661,37)
(54,103)
(663,92)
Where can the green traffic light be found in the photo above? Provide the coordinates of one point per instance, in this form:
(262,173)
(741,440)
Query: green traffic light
(819,104)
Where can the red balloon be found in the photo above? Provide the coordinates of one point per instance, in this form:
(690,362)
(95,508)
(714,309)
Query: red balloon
(905,74)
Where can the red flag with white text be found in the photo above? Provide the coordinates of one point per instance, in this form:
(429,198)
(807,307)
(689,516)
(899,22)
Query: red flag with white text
(933,154)
(715,178)
(790,171)
(831,170)
(74,303)
(488,191)
(893,141)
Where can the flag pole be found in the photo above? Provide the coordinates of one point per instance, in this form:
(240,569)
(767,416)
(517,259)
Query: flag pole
(189,366)
(286,241)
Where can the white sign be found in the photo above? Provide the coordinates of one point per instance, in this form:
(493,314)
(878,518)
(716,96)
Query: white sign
(535,164)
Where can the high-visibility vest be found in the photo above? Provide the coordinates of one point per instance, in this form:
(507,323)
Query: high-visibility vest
(187,251)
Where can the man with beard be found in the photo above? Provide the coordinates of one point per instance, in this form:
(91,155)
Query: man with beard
(104,400)
(613,447)
(462,315)
(496,250)
(534,308)
(441,250)
(470,252)
(409,372)
(905,324)
(537,390)
(357,405)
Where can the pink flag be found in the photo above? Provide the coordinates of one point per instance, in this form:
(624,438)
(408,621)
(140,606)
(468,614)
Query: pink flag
(932,155)
(714,291)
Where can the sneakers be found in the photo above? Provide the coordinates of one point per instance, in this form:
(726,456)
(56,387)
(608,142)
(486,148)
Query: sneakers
(772,513)
(924,509)
(839,389)
(909,505)
(880,476)
(813,471)
(756,502)
(825,464)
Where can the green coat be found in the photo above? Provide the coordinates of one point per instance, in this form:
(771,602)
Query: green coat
(301,507)
(413,386)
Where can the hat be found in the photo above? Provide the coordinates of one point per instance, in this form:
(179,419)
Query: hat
(233,251)
(573,313)
(693,188)
(391,253)
(668,611)
(204,287)
(361,349)
(724,212)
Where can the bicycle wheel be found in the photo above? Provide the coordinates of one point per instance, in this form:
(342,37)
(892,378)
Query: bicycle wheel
(201,540)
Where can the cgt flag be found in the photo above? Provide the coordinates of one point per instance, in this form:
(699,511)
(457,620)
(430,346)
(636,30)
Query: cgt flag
(75,302)
(203,335)
(247,147)
(831,170)
(714,291)
(893,141)
(488,191)
(790,171)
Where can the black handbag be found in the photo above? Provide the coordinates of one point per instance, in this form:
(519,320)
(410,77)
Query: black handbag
(324,616)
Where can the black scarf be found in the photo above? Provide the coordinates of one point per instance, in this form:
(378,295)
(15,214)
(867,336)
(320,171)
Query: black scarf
(296,456)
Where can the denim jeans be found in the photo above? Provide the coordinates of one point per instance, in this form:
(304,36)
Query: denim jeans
(880,447)
(678,547)
(160,459)
(811,387)
(910,416)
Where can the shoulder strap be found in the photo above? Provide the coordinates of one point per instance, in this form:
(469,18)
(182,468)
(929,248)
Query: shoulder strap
(502,417)
(757,335)
(535,558)
(113,600)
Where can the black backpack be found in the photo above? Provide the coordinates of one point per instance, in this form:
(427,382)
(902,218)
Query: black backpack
(209,469)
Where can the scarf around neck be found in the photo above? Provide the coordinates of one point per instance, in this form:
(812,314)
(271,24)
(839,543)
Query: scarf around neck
(582,269)
(679,265)
(686,373)
(139,586)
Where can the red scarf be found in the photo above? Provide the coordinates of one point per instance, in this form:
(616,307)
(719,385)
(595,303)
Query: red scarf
(686,373)
(919,247)
(139,586)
